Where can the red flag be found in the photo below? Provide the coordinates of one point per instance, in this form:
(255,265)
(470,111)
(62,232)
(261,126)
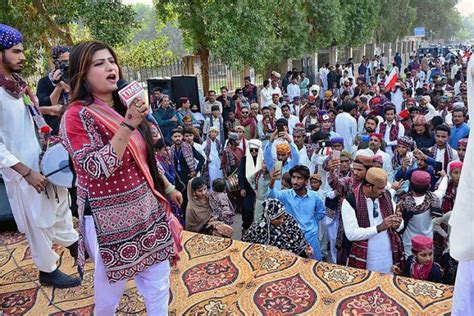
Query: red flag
(391,79)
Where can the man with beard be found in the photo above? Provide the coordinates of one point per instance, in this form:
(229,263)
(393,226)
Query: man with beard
(184,159)
(166,117)
(362,140)
(43,220)
(375,144)
(370,221)
(286,114)
(304,205)
(250,164)
(342,185)
(299,136)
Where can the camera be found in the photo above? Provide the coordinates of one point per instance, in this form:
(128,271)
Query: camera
(64,67)
(280,128)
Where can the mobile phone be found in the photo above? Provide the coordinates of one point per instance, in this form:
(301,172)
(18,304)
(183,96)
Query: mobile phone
(336,154)
(278,167)
(280,128)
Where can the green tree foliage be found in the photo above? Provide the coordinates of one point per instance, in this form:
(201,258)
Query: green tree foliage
(467,31)
(395,20)
(45,23)
(257,33)
(440,18)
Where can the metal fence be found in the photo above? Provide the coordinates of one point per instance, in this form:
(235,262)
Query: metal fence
(221,75)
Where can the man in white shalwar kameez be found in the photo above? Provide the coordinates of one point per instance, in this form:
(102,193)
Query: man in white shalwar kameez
(212,148)
(42,219)
(371,223)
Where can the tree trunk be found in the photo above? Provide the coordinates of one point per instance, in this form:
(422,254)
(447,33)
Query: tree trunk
(204,56)
(64,35)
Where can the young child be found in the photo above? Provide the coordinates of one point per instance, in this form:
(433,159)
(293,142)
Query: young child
(462,144)
(286,181)
(440,239)
(420,265)
(315,181)
(220,204)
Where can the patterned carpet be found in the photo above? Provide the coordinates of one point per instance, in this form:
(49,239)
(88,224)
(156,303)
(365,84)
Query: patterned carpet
(219,276)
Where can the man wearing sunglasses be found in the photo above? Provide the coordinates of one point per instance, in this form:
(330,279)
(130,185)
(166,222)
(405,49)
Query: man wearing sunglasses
(370,223)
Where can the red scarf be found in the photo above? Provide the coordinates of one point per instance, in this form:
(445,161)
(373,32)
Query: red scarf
(394,128)
(358,253)
(420,271)
(111,120)
(250,122)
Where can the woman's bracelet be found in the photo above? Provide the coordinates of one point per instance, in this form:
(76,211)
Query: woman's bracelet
(169,189)
(27,174)
(130,127)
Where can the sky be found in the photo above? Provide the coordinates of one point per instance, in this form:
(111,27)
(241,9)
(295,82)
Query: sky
(466,7)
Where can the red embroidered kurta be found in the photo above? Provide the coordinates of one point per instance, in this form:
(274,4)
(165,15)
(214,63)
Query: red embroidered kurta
(131,223)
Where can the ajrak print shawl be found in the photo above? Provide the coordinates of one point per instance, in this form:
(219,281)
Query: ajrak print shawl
(358,254)
(131,217)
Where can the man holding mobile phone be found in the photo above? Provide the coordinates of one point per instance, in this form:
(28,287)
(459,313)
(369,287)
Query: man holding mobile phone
(286,152)
(304,205)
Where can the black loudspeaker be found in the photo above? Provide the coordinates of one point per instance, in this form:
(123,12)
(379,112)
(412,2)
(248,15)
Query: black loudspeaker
(164,84)
(185,86)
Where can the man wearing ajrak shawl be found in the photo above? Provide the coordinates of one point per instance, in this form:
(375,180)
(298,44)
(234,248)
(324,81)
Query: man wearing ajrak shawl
(370,223)
(41,218)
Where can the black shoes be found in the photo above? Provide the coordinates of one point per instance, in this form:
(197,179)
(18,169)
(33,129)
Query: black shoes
(73,250)
(58,279)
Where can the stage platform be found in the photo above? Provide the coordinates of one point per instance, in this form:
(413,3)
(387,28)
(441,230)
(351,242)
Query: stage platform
(218,276)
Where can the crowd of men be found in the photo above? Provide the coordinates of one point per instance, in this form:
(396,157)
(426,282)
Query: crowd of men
(364,170)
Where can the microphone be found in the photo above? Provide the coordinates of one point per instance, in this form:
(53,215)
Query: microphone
(122,86)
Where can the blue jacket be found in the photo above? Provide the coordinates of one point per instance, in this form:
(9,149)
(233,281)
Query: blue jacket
(163,117)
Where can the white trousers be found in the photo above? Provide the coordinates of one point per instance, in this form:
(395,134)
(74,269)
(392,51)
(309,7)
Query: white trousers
(463,299)
(332,226)
(153,283)
(43,220)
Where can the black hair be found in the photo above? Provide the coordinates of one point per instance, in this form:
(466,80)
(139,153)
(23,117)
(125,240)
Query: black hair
(266,82)
(218,185)
(443,128)
(348,106)
(265,108)
(286,177)
(177,130)
(247,78)
(390,107)
(188,131)
(160,144)
(420,91)
(303,170)
(373,118)
(419,189)
(197,183)
(211,91)
(215,108)
(158,89)
(459,109)
(285,106)
(436,121)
